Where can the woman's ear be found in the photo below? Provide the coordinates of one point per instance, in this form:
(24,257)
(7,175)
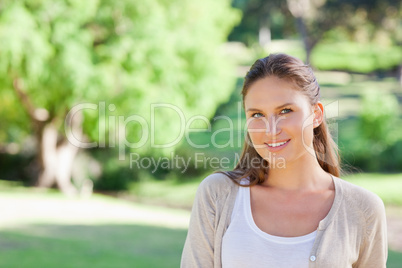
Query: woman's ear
(318,114)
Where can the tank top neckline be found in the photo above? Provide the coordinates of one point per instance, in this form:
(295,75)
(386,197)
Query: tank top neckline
(295,239)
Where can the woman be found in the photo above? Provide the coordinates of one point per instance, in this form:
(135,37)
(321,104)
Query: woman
(284,204)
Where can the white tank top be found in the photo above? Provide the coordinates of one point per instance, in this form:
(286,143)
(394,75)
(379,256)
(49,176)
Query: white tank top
(244,245)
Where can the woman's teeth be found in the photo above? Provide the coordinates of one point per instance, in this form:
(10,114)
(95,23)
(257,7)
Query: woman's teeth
(276,144)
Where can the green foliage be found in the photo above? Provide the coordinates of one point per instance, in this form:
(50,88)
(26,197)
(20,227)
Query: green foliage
(258,14)
(369,139)
(116,176)
(127,53)
(358,152)
(355,57)
(343,56)
(363,22)
(377,116)
(15,167)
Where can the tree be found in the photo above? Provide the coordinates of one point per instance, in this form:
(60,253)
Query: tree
(119,56)
(269,18)
(314,18)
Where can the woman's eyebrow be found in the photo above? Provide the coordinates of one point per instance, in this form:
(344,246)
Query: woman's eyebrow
(280,106)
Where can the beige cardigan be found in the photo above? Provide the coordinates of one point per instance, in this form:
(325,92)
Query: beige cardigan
(353,234)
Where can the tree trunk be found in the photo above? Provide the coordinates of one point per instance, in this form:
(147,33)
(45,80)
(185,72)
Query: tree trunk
(66,154)
(306,40)
(47,155)
(299,9)
(55,159)
(264,33)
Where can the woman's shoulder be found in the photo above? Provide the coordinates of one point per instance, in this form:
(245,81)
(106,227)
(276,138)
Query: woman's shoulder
(217,183)
(218,180)
(359,198)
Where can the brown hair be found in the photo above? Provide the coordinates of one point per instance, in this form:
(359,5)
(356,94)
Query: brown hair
(292,69)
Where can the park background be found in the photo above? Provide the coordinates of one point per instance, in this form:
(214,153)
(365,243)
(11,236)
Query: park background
(94,72)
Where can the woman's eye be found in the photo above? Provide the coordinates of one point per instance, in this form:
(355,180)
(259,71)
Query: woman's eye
(286,110)
(256,115)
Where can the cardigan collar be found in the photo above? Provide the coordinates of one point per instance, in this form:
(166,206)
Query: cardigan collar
(335,205)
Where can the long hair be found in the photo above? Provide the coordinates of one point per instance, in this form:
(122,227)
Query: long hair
(291,69)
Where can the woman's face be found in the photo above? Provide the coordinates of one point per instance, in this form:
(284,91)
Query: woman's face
(280,120)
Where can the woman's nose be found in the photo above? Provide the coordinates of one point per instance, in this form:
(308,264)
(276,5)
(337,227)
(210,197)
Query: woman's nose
(273,127)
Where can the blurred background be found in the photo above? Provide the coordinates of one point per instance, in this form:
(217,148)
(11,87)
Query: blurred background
(112,112)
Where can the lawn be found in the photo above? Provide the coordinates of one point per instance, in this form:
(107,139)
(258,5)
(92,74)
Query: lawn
(171,193)
(386,186)
(70,246)
(41,230)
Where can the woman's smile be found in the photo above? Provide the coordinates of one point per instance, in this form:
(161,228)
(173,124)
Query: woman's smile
(277,146)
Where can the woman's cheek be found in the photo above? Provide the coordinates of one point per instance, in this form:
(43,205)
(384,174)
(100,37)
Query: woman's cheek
(256,128)
(308,134)
(256,137)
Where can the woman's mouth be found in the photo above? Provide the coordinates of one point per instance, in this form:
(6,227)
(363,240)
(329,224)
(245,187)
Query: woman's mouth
(276,146)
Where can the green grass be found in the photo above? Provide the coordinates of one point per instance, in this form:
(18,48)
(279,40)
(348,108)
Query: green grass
(104,246)
(394,259)
(386,186)
(46,230)
(169,193)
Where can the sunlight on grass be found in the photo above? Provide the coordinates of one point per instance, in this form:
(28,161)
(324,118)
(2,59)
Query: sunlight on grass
(29,208)
(168,193)
(100,246)
(387,186)
(40,229)
(394,259)
(46,229)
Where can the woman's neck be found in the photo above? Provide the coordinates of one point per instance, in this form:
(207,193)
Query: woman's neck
(304,174)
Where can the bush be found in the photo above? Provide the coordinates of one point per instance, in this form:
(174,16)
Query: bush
(378,113)
(362,147)
(115,175)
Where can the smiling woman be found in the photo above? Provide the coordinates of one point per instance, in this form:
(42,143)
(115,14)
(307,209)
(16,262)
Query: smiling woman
(297,214)
(285,120)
